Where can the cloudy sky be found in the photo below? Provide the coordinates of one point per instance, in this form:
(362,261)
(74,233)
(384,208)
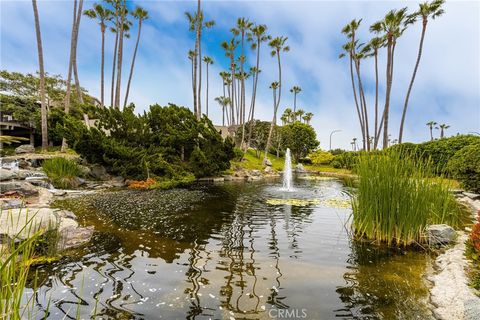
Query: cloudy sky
(447,87)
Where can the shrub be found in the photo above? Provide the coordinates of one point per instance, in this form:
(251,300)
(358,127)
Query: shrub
(300,138)
(396,199)
(321,157)
(465,167)
(62,172)
(347,160)
(238,154)
(336,164)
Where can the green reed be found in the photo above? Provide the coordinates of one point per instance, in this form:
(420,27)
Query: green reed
(63,172)
(397,198)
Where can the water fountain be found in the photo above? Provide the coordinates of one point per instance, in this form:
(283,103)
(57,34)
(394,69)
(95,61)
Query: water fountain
(287,172)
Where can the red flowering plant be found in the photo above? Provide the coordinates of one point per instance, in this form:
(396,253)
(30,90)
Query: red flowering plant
(475,235)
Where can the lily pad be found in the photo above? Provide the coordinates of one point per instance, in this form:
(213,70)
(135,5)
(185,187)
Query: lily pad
(337,203)
(317,178)
(293,202)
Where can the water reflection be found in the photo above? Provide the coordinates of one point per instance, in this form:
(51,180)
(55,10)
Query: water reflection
(220,252)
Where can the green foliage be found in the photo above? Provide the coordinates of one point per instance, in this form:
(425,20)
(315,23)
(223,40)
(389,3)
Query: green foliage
(465,167)
(167,143)
(347,160)
(396,199)
(238,154)
(62,172)
(300,138)
(259,134)
(438,151)
(336,164)
(321,157)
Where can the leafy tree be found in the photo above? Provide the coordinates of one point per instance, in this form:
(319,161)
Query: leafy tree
(300,138)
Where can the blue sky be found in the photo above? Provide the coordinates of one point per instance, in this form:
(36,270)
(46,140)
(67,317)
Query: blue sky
(447,87)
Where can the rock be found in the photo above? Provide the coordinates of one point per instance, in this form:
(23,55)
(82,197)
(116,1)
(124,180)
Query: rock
(72,237)
(67,223)
(117,182)
(268,163)
(22,187)
(255,173)
(25,148)
(268,170)
(300,168)
(11,203)
(7,174)
(12,222)
(86,171)
(77,181)
(99,172)
(23,164)
(471,195)
(440,234)
(31,175)
(65,214)
(58,193)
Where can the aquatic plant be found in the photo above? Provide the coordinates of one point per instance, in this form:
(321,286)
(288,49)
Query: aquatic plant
(62,172)
(396,199)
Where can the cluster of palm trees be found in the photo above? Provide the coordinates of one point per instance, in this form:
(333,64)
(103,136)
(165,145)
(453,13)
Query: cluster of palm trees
(290,116)
(112,15)
(387,33)
(434,125)
(235,109)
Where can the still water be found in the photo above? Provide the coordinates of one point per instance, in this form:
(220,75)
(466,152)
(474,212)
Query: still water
(223,252)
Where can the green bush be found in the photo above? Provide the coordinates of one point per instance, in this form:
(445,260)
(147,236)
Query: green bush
(396,199)
(465,167)
(238,154)
(62,172)
(438,151)
(336,164)
(319,157)
(347,160)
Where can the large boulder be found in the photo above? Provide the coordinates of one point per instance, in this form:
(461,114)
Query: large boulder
(74,236)
(7,174)
(99,172)
(300,168)
(25,148)
(267,162)
(439,234)
(21,187)
(22,223)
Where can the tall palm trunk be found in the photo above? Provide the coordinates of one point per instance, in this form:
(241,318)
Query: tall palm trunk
(277,103)
(196,61)
(360,120)
(102,68)
(114,67)
(133,63)
(70,67)
(388,91)
(42,77)
(74,62)
(199,95)
(363,103)
(419,56)
(375,143)
(206,98)
(272,125)
(120,57)
(254,93)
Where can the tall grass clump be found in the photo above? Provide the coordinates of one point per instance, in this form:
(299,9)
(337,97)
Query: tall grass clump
(62,172)
(15,264)
(397,199)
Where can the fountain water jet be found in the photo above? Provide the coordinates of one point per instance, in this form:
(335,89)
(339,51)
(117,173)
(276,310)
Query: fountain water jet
(287,172)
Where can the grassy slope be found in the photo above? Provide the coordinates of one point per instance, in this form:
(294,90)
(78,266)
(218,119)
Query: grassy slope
(251,162)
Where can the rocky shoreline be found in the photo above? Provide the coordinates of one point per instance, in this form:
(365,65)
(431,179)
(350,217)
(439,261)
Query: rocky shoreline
(450,294)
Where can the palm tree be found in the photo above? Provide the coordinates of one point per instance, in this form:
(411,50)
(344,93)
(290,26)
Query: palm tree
(430,125)
(141,15)
(207,61)
(103,15)
(257,35)
(191,57)
(375,44)
(426,10)
(274,86)
(443,127)
(392,27)
(229,47)
(295,90)
(349,49)
(121,11)
(354,144)
(284,119)
(298,114)
(197,24)
(288,114)
(278,45)
(307,117)
(42,77)
(223,102)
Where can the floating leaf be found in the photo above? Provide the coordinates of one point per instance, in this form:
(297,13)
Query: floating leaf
(293,202)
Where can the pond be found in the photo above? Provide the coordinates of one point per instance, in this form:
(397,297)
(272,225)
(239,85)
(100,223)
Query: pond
(230,251)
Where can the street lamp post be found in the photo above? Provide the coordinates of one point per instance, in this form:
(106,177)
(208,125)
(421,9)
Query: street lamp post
(331,133)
